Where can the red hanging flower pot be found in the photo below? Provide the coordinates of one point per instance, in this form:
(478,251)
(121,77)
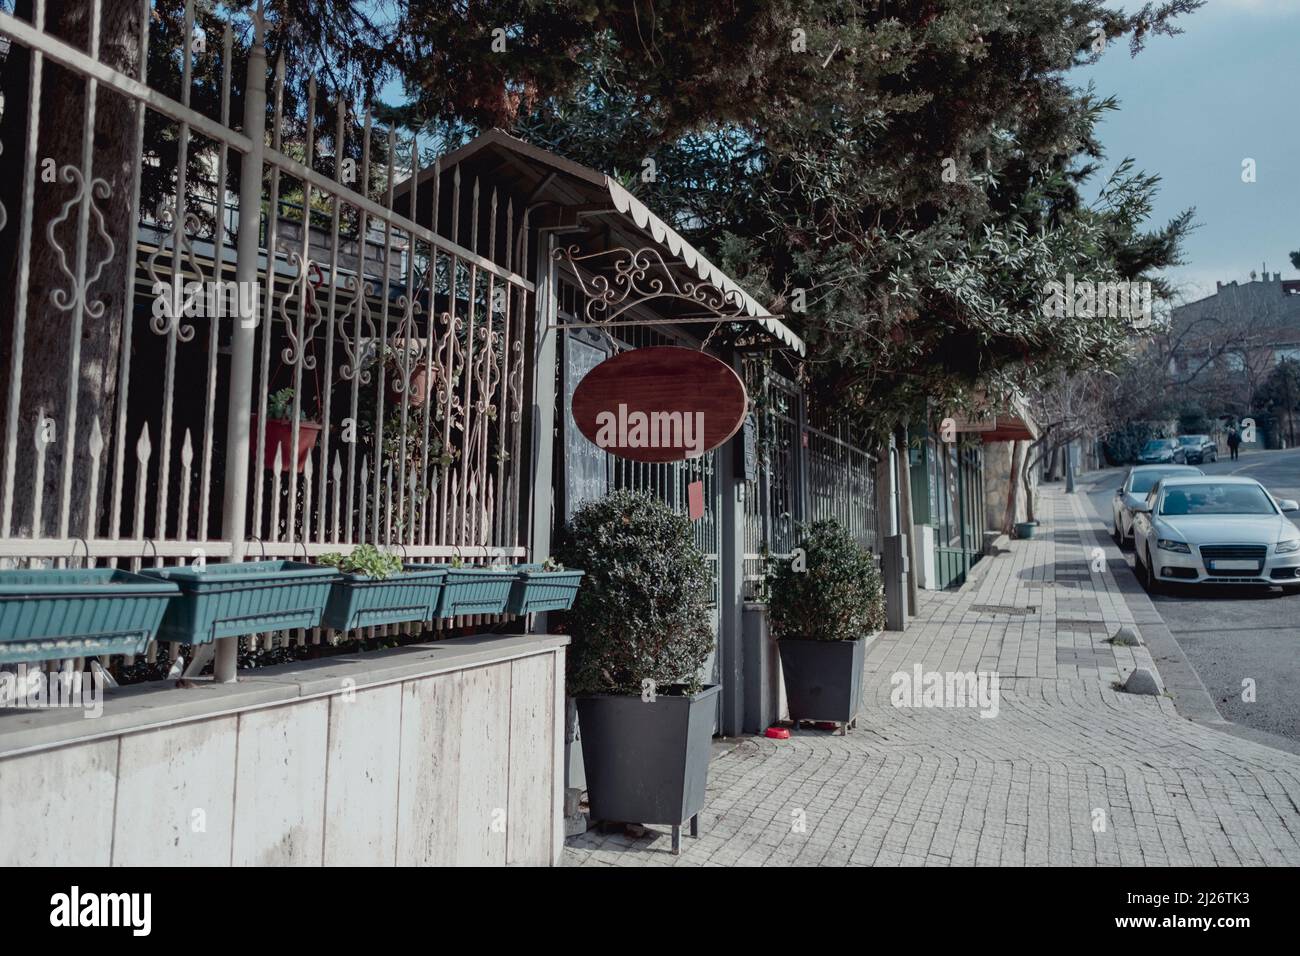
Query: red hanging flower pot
(279,435)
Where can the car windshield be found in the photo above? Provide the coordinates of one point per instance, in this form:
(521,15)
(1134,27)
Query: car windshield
(1225,499)
(1159,444)
(1191,439)
(1144,481)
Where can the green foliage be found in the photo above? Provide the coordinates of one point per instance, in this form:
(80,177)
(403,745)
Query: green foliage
(900,190)
(1123,445)
(1280,390)
(364,559)
(643,609)
(1192,420)
(279,405)
(835,594)
(550,564)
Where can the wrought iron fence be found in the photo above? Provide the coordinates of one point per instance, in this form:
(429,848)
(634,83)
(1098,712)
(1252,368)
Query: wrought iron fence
(812,468)
(397,318)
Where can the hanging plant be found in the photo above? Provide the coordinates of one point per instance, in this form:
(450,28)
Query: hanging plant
(365,559)
(278,431)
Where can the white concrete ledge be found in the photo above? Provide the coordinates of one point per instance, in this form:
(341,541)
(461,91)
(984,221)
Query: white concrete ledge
(156,704)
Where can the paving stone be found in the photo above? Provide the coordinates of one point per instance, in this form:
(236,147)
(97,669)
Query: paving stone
(929,786)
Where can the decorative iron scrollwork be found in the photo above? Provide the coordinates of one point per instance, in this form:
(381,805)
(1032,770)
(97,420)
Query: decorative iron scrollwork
(65,300)
(354,349)
(615,280)
(180,240)
(304,290)
(406,343)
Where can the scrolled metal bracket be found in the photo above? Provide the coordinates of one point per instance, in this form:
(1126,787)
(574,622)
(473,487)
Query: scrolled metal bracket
(615,280)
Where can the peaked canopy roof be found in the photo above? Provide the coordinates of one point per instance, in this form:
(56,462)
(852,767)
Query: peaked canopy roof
(600,201)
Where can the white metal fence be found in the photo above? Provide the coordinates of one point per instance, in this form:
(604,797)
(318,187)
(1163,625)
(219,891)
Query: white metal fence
(398,319)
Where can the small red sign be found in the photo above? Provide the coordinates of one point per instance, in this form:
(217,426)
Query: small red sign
(695,499)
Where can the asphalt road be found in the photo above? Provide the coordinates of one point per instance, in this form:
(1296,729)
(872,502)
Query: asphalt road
(1230,634)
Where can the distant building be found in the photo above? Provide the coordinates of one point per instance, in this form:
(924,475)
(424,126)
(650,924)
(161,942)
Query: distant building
(1222,347)
(1247,323)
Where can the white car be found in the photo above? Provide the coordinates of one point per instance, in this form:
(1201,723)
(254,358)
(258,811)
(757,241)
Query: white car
(1215,530)
(1137,484)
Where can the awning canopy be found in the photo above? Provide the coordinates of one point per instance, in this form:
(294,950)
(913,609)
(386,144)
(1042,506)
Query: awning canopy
(1012,428)
(1005,421)
(612,221)
(1013,423)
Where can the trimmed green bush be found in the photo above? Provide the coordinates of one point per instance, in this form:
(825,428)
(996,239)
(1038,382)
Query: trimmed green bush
(833,594)
(643,609)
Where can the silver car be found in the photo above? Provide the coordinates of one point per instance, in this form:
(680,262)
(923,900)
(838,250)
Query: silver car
(1198,448)
(1137,484)
(1215,530)
(1162,451)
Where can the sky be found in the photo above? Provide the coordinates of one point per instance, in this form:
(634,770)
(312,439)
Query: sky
(1192,108)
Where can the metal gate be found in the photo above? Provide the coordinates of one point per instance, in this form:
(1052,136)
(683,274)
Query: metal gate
(588,472)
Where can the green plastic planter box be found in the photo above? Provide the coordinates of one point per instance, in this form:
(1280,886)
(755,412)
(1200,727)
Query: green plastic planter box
(358,600)
(50,614)
(470,590)
(230,600)
(535,590)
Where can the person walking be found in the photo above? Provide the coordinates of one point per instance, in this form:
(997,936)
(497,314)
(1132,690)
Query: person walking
(1234,440)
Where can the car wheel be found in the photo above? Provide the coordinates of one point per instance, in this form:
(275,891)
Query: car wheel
(1115,534)
(1149,580)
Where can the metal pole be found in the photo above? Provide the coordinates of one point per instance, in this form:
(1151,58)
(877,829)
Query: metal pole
(908,523)
(234,511)
(731,584)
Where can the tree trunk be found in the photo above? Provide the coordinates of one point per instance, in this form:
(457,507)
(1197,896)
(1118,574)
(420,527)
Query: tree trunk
(52,300)
(1013,486)
(1026,474)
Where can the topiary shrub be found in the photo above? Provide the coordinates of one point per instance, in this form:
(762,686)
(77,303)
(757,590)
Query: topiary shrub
(833,594)
(643,608)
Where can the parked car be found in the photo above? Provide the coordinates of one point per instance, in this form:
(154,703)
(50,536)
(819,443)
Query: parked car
(1198,448)
(1215,530)
(1137,484)
(1162,450)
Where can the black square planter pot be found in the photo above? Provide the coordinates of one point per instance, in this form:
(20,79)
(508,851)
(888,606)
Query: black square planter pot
(647,762)
(823,679)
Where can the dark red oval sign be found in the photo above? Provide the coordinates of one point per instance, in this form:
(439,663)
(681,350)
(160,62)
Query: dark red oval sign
(662,403)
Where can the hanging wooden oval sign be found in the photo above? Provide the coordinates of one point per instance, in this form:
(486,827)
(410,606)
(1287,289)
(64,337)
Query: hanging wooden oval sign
(657,404)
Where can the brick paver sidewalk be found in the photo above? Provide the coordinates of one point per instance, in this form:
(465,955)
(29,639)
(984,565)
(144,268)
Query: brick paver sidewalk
(1070,771)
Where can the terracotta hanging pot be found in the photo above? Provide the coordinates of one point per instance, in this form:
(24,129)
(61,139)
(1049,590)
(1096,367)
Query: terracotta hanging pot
(279,435)
(419,389)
